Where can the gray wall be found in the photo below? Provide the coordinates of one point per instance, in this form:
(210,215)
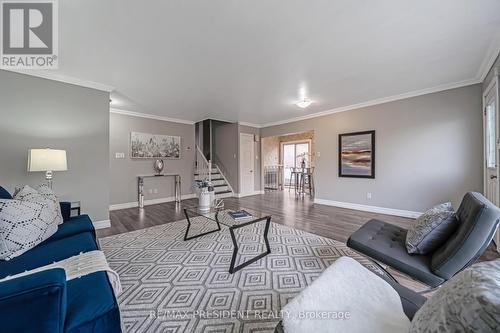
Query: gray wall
(226,151)
(39,113)
(124,171)
(428,150)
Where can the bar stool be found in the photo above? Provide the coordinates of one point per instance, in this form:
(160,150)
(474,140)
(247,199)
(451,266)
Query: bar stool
(293,179)
(299,181)
(308,179)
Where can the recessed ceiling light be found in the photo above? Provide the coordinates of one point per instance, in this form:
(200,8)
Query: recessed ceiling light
(304,103)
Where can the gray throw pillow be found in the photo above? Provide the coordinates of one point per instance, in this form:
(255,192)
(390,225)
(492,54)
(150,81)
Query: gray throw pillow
(42,194)
(431,229)
(468,302)
(23,225)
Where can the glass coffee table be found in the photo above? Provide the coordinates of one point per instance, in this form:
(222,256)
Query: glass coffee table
(222,216)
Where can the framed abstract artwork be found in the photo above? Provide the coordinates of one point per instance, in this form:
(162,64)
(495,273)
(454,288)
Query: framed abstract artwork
(145,145)
(357,154)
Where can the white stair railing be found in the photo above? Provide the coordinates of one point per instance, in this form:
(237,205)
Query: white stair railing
(203,167)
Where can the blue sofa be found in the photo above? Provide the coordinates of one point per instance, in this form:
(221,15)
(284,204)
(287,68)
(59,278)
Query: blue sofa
(45,302)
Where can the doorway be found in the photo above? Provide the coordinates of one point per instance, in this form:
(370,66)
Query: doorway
(296,154)
(281,153)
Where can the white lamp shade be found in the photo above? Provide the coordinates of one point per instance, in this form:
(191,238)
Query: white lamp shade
(47,160)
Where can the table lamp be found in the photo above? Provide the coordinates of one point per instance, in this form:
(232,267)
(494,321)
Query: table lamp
(47,160)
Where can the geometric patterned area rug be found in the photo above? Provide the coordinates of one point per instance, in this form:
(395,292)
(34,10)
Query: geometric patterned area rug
(172,285)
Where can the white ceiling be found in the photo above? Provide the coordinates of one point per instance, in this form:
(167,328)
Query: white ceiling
(247,61)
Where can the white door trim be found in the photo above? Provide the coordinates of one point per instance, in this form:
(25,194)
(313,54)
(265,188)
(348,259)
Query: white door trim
(493,84)
(241,192)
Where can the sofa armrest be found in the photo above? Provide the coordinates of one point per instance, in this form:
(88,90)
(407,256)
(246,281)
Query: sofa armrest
(65,210)
(34,303)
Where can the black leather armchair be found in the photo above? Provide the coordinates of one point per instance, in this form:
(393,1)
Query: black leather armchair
(478,221)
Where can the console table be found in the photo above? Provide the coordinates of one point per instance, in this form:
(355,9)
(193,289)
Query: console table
(177,186)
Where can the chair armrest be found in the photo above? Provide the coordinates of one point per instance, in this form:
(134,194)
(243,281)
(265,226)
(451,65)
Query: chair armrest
(65,210)
(34,303)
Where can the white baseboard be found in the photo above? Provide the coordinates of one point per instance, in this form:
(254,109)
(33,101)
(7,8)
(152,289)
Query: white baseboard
(102,224)
(366,208)
(225,195)
(149,202)
(241,195)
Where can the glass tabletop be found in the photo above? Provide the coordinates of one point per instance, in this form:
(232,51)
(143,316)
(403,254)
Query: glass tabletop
(223,216)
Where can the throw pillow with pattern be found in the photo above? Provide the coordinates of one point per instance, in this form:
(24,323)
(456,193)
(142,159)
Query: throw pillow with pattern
(45,191)
(23,225)
(468,302)
(42,194)
(431,229)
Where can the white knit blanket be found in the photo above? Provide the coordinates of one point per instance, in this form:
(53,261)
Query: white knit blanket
(346,297)
(78,266)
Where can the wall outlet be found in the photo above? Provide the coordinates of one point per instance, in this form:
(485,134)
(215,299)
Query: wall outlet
(318,154)
(155,191)
(119,155)
(368,195)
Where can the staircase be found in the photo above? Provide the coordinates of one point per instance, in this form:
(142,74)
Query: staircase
(205,170)
(221,186)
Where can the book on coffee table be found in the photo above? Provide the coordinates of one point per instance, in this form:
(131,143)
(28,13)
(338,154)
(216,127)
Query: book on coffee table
(240,215)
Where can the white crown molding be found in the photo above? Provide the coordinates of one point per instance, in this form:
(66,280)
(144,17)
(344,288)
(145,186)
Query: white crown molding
(243,123)
(249,124)
(64,79)
(150,116)
(102,224)
(366,208)
(377,101)
(490,57)
(216,119)
(150,202)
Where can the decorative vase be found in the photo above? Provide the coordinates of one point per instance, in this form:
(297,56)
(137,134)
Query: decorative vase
(204,200)
(158,166)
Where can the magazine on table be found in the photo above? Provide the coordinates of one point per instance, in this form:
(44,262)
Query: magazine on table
(240,215)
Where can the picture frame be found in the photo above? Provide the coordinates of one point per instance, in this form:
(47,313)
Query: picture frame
(154,146)
(357,154)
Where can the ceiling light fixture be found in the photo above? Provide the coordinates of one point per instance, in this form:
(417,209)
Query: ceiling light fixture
(304,103)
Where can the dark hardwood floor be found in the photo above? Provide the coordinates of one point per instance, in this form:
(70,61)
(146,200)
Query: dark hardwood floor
(284,207)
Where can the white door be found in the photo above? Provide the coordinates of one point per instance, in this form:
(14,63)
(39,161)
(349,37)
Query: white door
(246,163)
(491,147)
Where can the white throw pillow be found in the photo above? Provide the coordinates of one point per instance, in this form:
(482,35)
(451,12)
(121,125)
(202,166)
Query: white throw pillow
(346,297)
(23,225)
